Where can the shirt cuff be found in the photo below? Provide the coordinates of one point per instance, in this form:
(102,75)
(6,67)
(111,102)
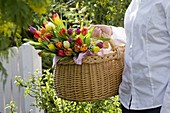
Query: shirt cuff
(118,37)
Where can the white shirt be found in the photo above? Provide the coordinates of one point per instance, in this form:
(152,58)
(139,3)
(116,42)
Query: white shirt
(145,80)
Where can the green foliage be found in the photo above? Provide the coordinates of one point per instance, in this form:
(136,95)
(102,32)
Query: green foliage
(109,12)
(42,89)
(15,16)
(12,107)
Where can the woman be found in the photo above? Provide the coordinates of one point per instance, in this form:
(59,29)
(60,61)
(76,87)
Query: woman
(145,86)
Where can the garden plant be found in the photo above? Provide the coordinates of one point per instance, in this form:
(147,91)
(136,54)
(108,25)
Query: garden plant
(14,32)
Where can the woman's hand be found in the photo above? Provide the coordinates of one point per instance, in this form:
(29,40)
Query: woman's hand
(101,31)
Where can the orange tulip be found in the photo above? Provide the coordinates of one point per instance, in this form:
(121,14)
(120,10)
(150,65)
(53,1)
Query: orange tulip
(76,48)
(68,52)
(84,48)
(62,32)
(43,30)
(59,44)
(84,31)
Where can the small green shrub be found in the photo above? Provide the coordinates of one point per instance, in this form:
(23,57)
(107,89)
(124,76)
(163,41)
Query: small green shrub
(12,107)
(41,88)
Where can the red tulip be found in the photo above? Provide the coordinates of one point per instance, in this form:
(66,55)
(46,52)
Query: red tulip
(48,35)
(60,53)
(79,41)
(37,34)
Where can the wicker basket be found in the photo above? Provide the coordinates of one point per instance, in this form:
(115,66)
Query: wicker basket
(97,78)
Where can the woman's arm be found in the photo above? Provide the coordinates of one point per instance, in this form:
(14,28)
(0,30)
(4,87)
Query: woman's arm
(117,34)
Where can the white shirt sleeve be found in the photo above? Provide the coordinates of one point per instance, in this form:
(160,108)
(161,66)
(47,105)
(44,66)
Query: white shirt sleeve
(166,102)
(118,37)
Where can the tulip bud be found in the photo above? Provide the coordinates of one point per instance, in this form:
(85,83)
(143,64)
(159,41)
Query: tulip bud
(79,41)
(50,26)
(66,44)
(100,44)
(32,29)
(37,34)
(48,35)
(51,46)
(56,19)
(70,31)
(84,48)
(60,53)
(78,31)
(84,31)
(55,16)
(68,52)
(70,39)
(59,44)
(96,49)
(62,32)
(76,48)
(40,40)
(43,30)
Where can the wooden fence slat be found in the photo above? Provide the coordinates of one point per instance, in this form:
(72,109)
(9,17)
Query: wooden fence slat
(16,93)
(2,98)
(29,62)
(24,61)
(7,92)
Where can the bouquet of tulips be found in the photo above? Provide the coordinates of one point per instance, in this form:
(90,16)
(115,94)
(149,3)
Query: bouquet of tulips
(55,37)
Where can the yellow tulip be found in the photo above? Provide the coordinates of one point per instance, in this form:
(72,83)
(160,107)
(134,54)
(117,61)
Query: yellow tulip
(96,49)
(51,46)
(40,40)
(57,21)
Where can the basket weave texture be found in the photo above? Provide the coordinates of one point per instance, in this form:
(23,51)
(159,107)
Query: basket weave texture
(97,78)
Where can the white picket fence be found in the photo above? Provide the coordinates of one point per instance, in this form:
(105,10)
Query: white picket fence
(22,61)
